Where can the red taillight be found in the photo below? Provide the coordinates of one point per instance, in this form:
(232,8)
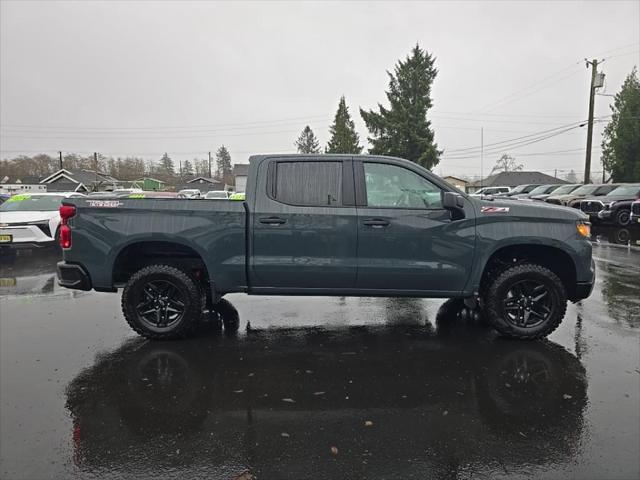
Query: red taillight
(65,236)
(66,212)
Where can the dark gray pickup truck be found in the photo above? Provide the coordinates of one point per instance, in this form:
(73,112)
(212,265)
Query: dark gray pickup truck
(329,225)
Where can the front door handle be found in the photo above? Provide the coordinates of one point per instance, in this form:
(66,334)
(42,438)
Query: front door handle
(376,222)
(273,220)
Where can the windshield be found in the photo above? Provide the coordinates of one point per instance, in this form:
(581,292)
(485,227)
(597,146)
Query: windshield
(541,189)
(519,189)
(586,189)
(31,203)
(629,190)
(565,189)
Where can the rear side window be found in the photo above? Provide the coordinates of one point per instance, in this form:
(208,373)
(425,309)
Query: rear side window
(316,184)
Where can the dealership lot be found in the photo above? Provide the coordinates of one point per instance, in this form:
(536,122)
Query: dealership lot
(319,387)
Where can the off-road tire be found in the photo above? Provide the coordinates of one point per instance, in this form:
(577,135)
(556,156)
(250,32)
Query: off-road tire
(623,217)
(497,291)
(229,316)
(185,284)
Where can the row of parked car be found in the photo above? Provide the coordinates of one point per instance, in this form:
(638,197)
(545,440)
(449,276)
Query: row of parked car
(604,203)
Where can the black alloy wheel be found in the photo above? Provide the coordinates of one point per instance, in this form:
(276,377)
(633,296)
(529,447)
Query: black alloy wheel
(527,304)
(162,302)
(524,301)
(162,305)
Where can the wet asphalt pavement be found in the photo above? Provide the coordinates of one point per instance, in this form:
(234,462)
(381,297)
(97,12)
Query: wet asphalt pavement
(319,388)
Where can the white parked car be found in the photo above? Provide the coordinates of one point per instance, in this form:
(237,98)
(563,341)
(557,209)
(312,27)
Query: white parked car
(217,195)
(31,220)
(189,193)
(491,191)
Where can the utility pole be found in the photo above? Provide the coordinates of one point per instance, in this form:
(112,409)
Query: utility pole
(209,164)
(60,153)
(592,94)
(481,153)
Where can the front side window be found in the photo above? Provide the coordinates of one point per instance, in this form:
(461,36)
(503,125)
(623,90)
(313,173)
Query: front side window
(316,184)
(390,186)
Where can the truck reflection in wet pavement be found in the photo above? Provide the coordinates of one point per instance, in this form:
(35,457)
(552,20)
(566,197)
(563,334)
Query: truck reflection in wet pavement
(399,401)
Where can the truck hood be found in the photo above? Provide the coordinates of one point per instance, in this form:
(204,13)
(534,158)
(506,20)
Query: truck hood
(531,209)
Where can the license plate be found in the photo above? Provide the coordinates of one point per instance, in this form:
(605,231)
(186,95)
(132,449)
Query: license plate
(7,282)
(638,219)
(6,238)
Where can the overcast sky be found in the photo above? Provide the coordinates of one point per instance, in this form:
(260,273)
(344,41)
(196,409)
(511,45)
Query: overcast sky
(142,78)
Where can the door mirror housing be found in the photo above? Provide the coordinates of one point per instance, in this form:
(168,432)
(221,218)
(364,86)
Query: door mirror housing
(453,202)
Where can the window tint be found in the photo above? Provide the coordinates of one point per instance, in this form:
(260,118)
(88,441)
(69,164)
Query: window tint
(309,183)
(389,186)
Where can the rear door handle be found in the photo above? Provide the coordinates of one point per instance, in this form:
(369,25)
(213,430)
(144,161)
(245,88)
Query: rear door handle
(376,222)
(273,220)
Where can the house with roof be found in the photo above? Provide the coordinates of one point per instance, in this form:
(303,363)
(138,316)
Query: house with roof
(513,179)
(459,183)
(204,184)
(149,184)
(79,180)
(240,172)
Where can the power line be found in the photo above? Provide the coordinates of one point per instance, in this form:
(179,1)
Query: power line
(255,124)
(561,128)
(506,98)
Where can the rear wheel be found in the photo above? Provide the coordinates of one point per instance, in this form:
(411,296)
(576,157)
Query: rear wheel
(162,302)
(525,301)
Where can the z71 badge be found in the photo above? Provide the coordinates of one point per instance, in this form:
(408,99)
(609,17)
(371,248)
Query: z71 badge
(494,209)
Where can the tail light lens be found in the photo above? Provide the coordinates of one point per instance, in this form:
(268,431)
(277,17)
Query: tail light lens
(66,212)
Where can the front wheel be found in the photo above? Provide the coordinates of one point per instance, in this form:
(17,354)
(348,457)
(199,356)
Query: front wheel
(162,302)
(623,217)
(525,301)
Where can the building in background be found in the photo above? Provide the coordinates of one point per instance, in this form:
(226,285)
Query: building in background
(459,183)
(149,184)
(513,179)
(240,172)
(204,184)
(68,180)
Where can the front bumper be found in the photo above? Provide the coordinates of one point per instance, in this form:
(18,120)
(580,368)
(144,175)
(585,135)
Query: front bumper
(26,236)
(584,289)
(73,276)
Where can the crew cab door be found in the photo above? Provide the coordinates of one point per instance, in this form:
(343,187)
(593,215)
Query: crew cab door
(406,240)
(304,224)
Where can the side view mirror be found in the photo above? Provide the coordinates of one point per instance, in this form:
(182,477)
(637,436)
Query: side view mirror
(453,202)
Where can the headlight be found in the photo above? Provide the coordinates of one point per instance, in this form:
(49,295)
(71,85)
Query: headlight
(584,229)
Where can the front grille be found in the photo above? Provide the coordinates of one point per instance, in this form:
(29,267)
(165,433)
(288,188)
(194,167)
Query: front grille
(591,206)
(635,208)
(554,201)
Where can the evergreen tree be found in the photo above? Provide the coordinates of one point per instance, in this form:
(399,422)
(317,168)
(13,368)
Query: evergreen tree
(403,130)
(621,142)
(166,165)
(187,169)
(344,138)
(307,142)
(223,162)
